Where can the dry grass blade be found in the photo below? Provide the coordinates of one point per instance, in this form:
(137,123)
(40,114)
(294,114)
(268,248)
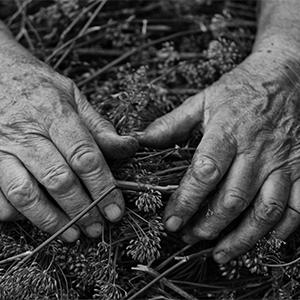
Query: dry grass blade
(82,31)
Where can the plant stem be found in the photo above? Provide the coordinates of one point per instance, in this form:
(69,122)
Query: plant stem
(166,282)
(206,252)
(82,31)
(15,257)
(280,265)
(147,286)
(182,260)
(136,186)
(166,262)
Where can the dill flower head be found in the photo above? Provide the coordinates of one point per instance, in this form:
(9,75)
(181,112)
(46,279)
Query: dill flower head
(148,201)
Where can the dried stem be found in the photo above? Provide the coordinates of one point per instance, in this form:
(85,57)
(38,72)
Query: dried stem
(82,31)
(15,257)
(158,278)
(280,265)
(136,186)
(182,260)
(166,282)
(168,260)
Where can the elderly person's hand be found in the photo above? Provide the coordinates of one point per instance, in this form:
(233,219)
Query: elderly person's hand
(52,147)
(250,150)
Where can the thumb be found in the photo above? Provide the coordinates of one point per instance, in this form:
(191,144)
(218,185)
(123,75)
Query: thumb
(112,144)
(175,126)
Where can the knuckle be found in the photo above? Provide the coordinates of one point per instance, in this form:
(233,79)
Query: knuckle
(269,212)
(58,178)
(244,244)
(100,125)
(85,158)
(206,234)
(23,193)
(49,223)
(185,203)
(205,171)
(235,200)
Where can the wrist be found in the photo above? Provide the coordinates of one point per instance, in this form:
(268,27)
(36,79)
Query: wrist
(283,46)
(276,54)
(273,66)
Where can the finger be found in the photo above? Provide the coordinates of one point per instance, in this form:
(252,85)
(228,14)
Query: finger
(49,167)
(113,145)
(7,211)
(211,161)
(174,126)
(82,154)
(22,191)
(267,211)
(238,190)
(291,217)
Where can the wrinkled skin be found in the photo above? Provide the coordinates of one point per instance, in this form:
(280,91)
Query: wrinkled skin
(52,147)
(250,153)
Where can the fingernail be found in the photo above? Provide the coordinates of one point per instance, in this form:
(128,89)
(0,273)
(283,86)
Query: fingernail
(71,235)
(112,212)
(173,223)
(94,230)
(221,257)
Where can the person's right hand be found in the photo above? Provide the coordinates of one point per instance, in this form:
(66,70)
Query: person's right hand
(50,141)
(247,165)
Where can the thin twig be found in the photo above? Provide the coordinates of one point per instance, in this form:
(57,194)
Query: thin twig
(76,20)
(205,252)
(182,260)
(147,286)
(73,40)
(166,282)
(283,264)
(15,257)
(154,154)
(20,10)
(165,262)
(136,186)
(135,50)
(82,31)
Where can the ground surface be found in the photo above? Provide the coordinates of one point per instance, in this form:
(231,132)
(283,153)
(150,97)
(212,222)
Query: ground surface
(135,60)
